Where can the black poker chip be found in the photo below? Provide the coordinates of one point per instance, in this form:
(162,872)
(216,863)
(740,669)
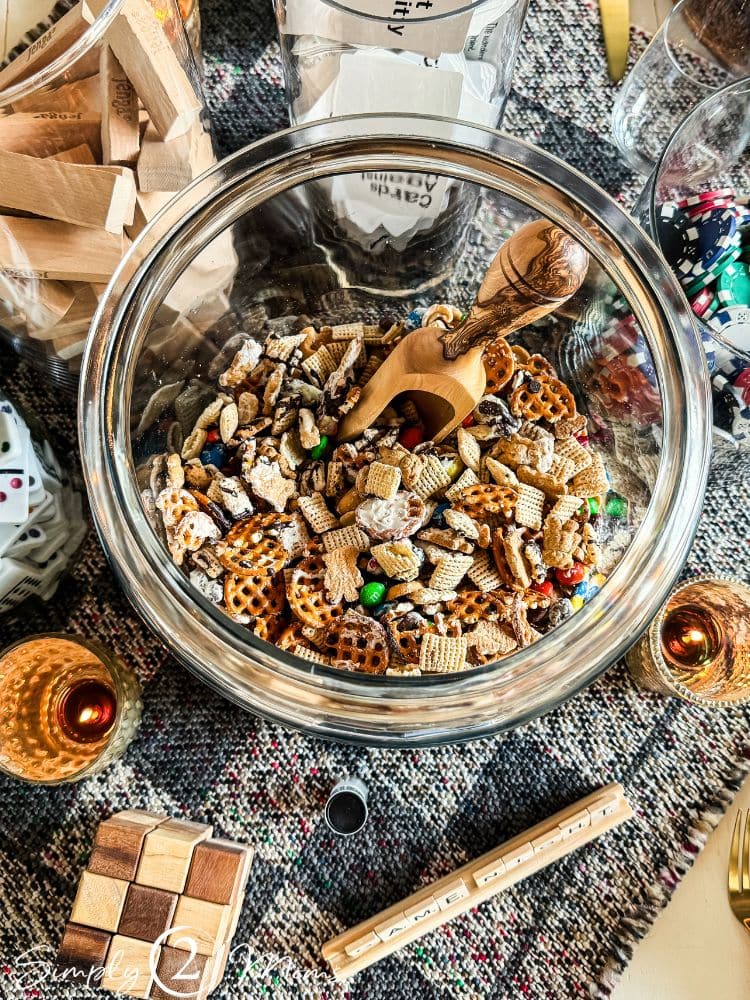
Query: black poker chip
(677,233)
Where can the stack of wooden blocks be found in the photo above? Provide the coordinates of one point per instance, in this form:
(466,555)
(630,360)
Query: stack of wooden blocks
(156,908)
(87,161)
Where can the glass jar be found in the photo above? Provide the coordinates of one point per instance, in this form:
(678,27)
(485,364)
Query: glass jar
(102,120)
(452,58)
(297,263)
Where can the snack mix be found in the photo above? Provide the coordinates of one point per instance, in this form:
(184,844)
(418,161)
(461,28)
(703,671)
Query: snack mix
(389,554)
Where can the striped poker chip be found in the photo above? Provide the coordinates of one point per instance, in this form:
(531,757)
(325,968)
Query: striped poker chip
(716,234)
(701,303)
(734,326)
(677,237)
(734,285)
(697,199)
(712,273)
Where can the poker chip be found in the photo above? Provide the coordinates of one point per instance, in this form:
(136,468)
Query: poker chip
(734,285)
(704,196)
(702,302)
(734,326)
(716,234)
(676,234)
(712,273)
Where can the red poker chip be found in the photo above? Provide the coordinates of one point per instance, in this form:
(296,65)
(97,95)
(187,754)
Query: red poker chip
(710,206)
(701,303)
(697,199)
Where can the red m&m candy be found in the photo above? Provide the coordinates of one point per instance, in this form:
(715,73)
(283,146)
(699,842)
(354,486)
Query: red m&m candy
(545,587)
(570,577)
(410,437)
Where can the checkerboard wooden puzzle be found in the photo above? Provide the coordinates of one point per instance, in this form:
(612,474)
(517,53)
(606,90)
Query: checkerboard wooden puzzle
(156,908)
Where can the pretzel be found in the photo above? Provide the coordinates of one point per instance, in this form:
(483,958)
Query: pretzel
(261,596)
(543,398)
(537,364)
(383,480)
(358,643)
(194,529)
(441,654)
(174,504)
(248,549)
(499,364)
(305,592)
(292,635)
(473,605)
(486,499)
(391,520)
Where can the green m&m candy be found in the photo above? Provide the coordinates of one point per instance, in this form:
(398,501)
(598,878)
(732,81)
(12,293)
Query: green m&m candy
(372,594)
(593,503)
(616,507)
(320,449)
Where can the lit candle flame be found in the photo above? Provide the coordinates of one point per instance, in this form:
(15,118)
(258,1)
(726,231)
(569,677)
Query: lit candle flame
(88,715)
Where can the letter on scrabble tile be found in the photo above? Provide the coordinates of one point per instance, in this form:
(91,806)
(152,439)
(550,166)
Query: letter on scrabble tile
(605,807)
(205,924)
(362,944)
(99,902)
(391,927)
(167,854)
(147,913)
(422,910)
(547,840)
(182,972)
(489,872)
(517,857)
(451,893)
(217,871)
(128,969)
(83,949)
(143,50)
(117,848)
(575,823)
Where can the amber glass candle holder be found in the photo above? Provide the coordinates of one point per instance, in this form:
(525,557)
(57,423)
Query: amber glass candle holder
(68,708)
(698,646)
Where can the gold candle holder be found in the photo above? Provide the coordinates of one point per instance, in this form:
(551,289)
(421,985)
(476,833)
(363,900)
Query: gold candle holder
(68,708)
(698,646)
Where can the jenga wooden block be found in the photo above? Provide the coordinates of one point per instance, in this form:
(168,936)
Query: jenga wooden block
(49,46)
(99,902)
(139,41)
(58,250)
(171,165)
(83,949)
(78,154)
(117,848)
(128,967)
(42,133)
(77,319)
(121,137)
(147,913)
(181,973)
(167,853)
(201,925)
(217,871)
(141,816)
(43,303)
(85,196)
(80,95)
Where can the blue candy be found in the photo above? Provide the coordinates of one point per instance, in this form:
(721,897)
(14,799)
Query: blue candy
(214,454)
(438,516)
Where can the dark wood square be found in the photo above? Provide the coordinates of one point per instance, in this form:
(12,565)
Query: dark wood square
(216,871)
(175,961)
(147,912)
(83,949)
(117,849)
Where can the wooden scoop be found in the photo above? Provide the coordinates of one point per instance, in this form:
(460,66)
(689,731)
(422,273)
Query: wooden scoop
(533,273)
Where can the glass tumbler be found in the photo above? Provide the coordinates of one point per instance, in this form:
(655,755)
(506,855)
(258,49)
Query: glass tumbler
(102,120)
(697,195)
(693,53)
(451,58)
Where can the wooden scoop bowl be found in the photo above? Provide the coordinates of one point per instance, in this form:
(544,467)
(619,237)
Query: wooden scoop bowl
(534,272)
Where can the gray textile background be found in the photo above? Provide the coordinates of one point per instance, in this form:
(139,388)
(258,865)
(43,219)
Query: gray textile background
(564,933)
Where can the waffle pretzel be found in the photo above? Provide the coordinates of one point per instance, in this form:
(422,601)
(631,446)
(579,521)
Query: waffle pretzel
(305,592)
(485,499)
(543,398)
(358,643)
(537,364)
(472,606)
(261,596)
(248,549)
(499,365)
(174,503)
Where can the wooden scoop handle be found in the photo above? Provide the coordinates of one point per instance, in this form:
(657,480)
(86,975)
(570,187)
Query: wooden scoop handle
(533,273)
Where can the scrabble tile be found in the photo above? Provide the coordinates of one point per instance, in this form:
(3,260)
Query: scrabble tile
(117,848)
(147,913)
(207,925)
(167,853)
(83,949)
(129,965)
(174,963)
(99,902)
(217,871)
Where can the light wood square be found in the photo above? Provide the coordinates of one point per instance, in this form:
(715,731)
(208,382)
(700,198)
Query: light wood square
(99,901)
(207,924)
(128,969)
(167,854)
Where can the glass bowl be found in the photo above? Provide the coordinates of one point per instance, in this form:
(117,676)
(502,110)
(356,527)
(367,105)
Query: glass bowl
(364,219)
